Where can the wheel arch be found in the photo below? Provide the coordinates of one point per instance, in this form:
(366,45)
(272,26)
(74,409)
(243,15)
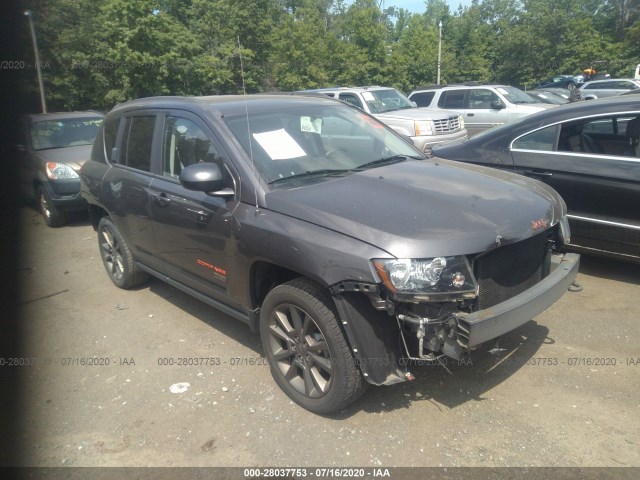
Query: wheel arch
(95,214)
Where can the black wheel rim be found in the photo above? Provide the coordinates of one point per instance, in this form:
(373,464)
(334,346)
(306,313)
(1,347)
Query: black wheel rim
(300,351)
(111,251)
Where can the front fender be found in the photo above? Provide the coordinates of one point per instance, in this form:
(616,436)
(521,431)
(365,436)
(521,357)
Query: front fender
(374,338)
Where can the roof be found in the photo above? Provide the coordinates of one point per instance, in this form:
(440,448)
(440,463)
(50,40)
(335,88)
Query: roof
(456,85)
(43,117)
(225,104)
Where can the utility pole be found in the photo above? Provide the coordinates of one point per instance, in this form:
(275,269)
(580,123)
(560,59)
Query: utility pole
(29,15)
(439,51)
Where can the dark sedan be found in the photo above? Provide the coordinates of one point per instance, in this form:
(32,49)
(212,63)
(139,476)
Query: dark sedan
(589,152)
(561,81)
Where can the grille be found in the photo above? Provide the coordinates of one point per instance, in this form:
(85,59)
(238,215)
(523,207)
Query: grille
(507,271)
(447,125)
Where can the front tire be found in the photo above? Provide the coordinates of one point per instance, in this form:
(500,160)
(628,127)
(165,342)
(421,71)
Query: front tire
(307,351)
(53,216)
(117,257)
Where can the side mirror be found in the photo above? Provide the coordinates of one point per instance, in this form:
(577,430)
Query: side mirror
(204,177)
(497,105)
(414,103)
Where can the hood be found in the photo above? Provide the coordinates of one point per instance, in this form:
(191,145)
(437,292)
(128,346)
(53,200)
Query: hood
(420,209)
(72,156)
(415,114)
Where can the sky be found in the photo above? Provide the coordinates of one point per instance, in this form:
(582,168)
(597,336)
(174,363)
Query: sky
(418,6)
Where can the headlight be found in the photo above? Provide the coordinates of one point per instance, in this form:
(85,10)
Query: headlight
(461,120)
(423,128)
(427,277)
(58,171)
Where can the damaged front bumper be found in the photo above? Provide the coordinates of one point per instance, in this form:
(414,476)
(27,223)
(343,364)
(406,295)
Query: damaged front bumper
(478,327)
(381,347)
(457,332)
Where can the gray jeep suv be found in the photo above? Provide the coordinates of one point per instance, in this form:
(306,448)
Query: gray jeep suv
(341,243)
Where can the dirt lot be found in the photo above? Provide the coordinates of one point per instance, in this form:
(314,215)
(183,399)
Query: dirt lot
(563,390)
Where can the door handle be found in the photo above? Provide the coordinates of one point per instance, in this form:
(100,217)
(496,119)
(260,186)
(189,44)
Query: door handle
(201,215)
(538,173)
(470,114)
(162,200)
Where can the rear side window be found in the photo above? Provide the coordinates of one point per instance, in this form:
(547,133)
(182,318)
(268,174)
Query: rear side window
(138,142)
(423,99)
(452,99)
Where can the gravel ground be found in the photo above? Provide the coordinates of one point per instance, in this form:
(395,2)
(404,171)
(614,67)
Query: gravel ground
(562,390)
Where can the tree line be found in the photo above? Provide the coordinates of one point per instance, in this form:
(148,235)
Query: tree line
(97,54)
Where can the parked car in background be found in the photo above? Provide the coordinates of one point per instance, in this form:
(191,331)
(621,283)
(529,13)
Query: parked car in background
(425,127)
(568,82)
(51,149)
(608,88)
(482,106)
(545,96)
(574,95)
(349,250)
(589,153)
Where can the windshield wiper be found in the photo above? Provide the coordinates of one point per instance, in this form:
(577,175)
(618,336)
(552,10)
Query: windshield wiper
(324,172)
(387,161)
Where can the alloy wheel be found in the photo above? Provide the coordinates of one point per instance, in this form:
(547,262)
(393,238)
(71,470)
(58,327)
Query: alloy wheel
(300,350)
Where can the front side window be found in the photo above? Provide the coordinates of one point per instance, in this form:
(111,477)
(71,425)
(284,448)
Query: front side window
(540,140)
(481,98)
(185,144)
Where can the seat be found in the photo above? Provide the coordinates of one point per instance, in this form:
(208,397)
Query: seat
(633,135)
(573,139)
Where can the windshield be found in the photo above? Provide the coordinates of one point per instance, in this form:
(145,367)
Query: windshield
(515,95)
(71,132)
(380,101)
(316,141)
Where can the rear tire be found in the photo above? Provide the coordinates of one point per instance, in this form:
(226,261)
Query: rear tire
(307,351)
(117,257)
(53,216)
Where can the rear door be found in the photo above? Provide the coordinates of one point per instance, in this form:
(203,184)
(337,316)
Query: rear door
(125,187)
(602,190)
